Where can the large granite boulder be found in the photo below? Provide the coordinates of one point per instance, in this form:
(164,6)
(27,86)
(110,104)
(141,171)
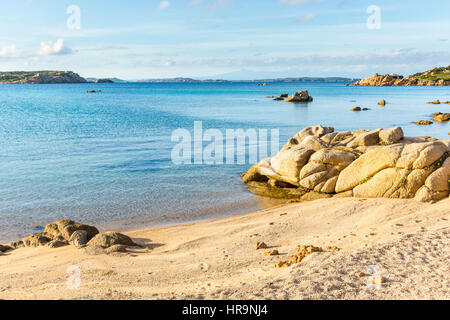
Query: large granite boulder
(289,162)
(366,166)
(421,155)
(376,163)
(315,131)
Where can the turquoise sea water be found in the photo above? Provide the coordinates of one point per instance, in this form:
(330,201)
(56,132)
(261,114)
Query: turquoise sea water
(105,158)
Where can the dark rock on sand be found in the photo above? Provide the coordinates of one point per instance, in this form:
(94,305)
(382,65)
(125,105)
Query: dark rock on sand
(57,244)
(108,239)
(65,228)
(5,248)
(78,238)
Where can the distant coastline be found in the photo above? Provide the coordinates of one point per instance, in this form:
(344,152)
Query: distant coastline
(299,79)
(50,77)
(435,77)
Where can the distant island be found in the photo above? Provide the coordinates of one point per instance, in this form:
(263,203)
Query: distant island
(40,77)
(434,77)
(300,79)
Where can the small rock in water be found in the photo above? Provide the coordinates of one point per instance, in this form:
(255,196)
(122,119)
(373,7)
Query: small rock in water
(300,96)
(442,117)
(423,122)
(281,97)
(355,109)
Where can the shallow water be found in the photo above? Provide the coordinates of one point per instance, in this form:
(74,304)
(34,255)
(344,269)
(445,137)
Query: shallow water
(105,158)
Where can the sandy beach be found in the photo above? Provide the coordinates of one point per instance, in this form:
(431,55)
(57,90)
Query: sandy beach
(406,240)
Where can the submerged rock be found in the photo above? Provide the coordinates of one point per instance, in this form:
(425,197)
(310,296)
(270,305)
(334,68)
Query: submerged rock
(423,122)
(281,97)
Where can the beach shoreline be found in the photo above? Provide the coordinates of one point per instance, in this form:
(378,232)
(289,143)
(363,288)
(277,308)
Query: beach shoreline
(216,259)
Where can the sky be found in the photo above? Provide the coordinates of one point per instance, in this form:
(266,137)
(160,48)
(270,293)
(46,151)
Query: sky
(228,39)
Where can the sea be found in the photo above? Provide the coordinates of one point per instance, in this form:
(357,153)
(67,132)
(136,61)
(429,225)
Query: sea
(106,158)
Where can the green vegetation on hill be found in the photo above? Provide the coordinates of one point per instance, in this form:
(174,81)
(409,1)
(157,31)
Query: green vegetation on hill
(441,73)
(40,77)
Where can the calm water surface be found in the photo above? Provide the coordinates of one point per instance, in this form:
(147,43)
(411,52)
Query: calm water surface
(105,158)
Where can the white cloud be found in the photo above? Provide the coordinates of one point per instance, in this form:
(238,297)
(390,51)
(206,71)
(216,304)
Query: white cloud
(10,51)
(306,17)
(54,48)
(163,5)
(297,2)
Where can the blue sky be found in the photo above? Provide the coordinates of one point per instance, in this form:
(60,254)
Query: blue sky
(234,39)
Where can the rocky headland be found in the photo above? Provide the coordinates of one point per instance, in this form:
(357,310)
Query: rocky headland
(40,77)
(321,163)
(434,77)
